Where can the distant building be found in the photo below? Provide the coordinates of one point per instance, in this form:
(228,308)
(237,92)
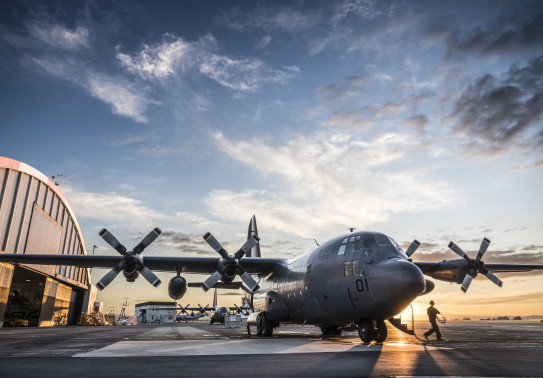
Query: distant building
(155,312)
(36,218)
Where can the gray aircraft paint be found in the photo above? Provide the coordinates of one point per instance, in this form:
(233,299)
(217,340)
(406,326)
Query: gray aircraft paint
(314,287)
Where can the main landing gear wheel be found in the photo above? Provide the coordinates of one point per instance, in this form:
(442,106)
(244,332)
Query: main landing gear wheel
(381,334)
(264,327)
(366,331)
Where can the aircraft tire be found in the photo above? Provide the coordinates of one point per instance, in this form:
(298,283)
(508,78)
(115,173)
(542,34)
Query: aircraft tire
(382,332)
(268,328)
(366,331)
(264,326)
(260,325)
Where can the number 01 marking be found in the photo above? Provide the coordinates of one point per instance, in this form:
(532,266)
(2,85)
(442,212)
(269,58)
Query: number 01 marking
(360,285)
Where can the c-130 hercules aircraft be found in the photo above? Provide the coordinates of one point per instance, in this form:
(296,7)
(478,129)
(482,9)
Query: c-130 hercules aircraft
(361,278)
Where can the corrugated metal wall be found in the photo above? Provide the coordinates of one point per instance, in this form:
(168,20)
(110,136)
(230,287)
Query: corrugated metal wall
(33,219)
(6,273)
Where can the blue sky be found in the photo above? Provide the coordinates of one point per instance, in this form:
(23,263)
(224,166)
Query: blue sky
(418,119)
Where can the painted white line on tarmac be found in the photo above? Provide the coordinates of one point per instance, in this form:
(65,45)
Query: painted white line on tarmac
(237,347)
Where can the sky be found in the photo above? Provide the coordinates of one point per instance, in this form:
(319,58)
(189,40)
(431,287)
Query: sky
(419,119)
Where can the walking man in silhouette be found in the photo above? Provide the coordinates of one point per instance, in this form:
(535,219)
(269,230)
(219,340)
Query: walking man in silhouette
(432,317)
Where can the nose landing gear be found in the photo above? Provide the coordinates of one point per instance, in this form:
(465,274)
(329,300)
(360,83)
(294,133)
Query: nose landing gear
(372,330)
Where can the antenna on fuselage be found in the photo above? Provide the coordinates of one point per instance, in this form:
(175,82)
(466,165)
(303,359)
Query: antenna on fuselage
(316,242)
(351,229)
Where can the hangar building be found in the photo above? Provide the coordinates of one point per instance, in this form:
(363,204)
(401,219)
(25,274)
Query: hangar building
(36,218)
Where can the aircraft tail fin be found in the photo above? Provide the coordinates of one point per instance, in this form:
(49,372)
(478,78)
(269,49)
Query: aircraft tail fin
(255,251)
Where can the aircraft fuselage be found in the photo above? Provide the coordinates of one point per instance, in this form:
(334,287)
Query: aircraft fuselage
(361,275)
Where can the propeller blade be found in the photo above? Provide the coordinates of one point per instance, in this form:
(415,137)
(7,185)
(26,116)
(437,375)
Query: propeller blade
(249,244)
(483,248)
(147,240)
(466,282)
(412,247)
(150,276)
(213,243)
(211,281)
(456,249)
(249,281)
(110,276)
(202,309)
(491,276)
(112,241)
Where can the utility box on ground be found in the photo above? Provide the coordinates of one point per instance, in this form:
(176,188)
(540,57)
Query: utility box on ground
(232,321)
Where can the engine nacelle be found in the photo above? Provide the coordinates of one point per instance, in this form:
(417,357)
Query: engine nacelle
(132,275)
(177,287)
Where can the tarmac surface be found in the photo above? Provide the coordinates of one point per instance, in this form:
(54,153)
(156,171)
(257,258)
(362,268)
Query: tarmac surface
(474,348)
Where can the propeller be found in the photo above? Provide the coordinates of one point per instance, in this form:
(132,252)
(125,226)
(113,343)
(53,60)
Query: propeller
(229,266)
(203,310)
(412,247)
(131,261)
(182,309)
(475,265)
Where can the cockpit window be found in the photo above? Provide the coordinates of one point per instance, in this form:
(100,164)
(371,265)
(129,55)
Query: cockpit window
(397,247)
(350,244)
(382,240)
(369,241)
(394,243)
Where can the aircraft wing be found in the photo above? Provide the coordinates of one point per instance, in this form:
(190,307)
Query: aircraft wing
(255,265)
(462,272)
(509,268)
(431,268)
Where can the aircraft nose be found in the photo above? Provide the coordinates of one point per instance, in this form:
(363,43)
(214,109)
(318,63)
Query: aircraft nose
(394,284)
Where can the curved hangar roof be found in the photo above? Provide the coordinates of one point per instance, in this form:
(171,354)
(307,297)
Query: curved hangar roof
(36,218)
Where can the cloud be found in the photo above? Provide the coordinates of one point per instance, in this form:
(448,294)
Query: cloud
(365,9)
(187,243)
(283,19)
(159,150)
(126,99)
(349,120)
(377,110)
(58,36)
(264,42)
(159,61)
(327,179)
(111,208)
(519,31)
(418,122)
(175,56)
(130,138)
(339,93)
(247,74)
(496,117)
